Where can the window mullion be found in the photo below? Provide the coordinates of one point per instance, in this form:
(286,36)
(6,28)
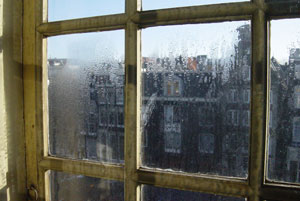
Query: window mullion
(132,93)
(258,106)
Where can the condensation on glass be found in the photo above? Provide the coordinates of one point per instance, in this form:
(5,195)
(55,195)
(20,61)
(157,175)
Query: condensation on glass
(72,187)
(284,101)
(158,4)
(195,114)
(70,9)
(150,193)
(86,96)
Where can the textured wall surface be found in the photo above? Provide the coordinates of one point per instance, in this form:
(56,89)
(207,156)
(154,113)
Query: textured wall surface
(12,149)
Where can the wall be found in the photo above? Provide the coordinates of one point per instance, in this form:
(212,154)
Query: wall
(12,149)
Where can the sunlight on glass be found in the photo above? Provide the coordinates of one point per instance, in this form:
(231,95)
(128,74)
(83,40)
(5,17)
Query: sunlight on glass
(196,98)
(70,9)
(284,114)
(86,96)
(150,193)
(71,187)
(158,4)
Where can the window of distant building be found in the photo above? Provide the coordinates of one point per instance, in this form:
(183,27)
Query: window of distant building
(172,128)
(102,95)
(233,117)
(172,142)
(206,143)
(233,96)
(246,95)
(103,116)
(206,116)
(297,71)
(297,96)
(120,117)
(120,95)
(296,129)
(173,86)
(246,118)
(92,124)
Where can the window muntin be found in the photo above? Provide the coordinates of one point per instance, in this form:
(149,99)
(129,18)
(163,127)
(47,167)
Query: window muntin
(149,193)
(156,4)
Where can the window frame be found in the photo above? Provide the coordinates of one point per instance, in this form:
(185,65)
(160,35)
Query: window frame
(35,31)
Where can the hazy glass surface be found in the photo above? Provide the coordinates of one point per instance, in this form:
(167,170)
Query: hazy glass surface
(86,96)
(158,4)
(196,98)
(70,9)
(71,187)
(284,116)
(150,193)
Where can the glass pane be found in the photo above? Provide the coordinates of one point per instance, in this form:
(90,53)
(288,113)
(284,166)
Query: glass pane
(284,116)
(150,193)
(71,187)
(70,9)
(196,98)
(85,95)
(158,4)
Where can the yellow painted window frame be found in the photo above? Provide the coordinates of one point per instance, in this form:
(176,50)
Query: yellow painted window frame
(36,29)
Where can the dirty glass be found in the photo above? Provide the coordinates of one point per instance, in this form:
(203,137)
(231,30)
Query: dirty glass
(284,110)
(70,9)
(158,4)
(150,193)
(195,98)
(85,96)
(72,187)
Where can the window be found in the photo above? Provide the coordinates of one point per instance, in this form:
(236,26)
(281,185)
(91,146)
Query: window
(233,117)
(206,116)
(297,96)
(233,97)
(133,176)
(172,142)
(206,143)
(246,95)
(173,86)
(296,130)
(246,118)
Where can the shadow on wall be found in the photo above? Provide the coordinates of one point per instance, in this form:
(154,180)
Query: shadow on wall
(12,149)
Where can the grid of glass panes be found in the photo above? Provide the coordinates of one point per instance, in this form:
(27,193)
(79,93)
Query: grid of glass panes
(202,131)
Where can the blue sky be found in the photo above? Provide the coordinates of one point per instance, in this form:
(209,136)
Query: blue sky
(192,39)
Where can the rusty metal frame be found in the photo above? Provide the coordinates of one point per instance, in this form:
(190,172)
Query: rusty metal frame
(36,29)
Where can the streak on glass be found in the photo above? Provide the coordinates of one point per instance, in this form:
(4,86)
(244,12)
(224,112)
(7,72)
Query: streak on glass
(196,98)
(71,187)
(158,4)
(86,96)
(70,9)
(284,111)
(150,193)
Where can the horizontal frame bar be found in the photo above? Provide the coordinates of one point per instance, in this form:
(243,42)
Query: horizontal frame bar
(86,168)
(101,23)
(279,192)
(188,14)
(193,182)
(282,10)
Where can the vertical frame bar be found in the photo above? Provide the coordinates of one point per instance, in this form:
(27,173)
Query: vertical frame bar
(32,68)
(258,107)
(132,102)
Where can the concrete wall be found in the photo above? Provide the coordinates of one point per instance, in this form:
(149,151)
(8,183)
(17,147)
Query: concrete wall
(12,146)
